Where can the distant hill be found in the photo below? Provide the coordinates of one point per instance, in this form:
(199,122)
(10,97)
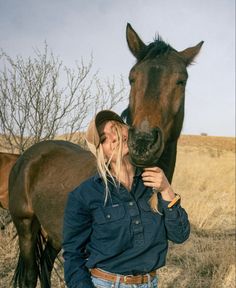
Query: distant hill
(222,143)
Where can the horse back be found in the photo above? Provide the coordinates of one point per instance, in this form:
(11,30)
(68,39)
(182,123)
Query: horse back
(42,178)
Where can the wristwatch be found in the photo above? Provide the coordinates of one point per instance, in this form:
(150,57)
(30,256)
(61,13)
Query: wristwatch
(175,201)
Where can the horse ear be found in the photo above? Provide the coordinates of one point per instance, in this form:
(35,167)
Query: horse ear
(134,42)
(190,53)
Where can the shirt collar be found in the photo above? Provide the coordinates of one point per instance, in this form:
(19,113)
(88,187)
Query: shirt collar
(138,172)
(97,177)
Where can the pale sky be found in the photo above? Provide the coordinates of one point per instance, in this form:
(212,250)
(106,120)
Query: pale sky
(77,28)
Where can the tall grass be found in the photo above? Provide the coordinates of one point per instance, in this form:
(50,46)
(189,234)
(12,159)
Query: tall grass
(205,178)
(203,261)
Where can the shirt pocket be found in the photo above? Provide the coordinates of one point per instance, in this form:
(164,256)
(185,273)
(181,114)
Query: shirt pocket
(153,223)
(111,228)
(147,214)
(109,214)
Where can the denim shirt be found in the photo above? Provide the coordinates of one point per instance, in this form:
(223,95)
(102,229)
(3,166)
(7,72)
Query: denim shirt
(121,236)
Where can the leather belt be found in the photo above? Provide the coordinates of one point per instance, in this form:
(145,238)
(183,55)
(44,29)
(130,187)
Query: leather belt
(128,279)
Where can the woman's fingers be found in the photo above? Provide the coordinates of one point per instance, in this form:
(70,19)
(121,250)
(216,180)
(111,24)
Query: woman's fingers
(154,169)
(155,177)
(152,174)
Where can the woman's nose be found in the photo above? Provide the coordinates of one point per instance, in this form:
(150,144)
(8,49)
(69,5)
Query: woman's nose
(113,139)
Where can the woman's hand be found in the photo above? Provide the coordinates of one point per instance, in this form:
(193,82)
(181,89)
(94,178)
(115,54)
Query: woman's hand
(154,177)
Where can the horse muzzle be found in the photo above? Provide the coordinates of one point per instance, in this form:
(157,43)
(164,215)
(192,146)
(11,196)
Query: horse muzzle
(145,147)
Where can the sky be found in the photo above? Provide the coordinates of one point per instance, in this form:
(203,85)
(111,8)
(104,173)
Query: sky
(79,28)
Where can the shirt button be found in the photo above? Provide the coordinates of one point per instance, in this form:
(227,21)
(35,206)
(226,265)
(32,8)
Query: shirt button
(131,203)
(137,222)
(108,216)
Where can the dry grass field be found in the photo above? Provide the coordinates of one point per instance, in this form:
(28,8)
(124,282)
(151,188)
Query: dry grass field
(205,178)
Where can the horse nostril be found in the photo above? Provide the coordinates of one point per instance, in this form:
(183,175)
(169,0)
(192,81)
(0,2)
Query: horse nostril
(155,133)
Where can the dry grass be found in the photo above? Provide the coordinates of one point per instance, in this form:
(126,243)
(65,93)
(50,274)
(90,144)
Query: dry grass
(205,178)
(204,261)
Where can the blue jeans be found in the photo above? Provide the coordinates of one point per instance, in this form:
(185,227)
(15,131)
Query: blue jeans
(100,283)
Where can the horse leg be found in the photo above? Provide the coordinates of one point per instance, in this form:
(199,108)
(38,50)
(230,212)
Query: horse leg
(27,268)
(47,262)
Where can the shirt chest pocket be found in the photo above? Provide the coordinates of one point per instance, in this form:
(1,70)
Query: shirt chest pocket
(111,229)
(109,214)
(147,213)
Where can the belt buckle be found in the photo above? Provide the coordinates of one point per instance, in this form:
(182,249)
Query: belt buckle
(130,277)
(125,279)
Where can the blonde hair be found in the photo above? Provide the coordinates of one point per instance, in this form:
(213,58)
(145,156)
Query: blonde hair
(103,164)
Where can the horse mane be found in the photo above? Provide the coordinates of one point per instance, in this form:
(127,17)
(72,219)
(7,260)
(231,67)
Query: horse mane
(156,48)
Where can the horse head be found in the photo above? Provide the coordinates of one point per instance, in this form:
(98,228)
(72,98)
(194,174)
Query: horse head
(156,103)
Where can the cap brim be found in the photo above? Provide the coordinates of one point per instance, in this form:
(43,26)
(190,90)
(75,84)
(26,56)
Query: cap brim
(107,115)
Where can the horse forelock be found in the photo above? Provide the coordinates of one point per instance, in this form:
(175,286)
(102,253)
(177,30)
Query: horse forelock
(156,48)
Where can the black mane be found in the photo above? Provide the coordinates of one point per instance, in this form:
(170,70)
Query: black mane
(157,47)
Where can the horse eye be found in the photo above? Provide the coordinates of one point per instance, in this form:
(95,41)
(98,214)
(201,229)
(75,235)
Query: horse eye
(131,81)
(181,82)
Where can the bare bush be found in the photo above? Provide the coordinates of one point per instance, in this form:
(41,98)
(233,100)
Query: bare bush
(39,98)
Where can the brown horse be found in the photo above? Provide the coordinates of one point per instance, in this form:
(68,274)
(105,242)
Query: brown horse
(44,175)
(38,188)
(7,161)
(156,105)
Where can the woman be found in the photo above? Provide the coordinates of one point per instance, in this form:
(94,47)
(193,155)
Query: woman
(111,236)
